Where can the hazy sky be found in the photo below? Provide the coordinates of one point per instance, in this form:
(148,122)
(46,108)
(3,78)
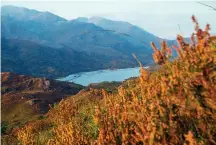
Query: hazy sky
(161,18)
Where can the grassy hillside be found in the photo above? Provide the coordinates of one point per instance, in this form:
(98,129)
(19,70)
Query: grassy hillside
(173,105)
(26,98)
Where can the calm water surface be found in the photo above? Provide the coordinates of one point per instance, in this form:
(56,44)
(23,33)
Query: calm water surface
(85,78)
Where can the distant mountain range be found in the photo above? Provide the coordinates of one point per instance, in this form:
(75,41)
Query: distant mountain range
(43,44)
(123,28)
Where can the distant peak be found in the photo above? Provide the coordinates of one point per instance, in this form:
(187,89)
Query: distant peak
(11,8)
(82,19)
(97,18)
(28,14)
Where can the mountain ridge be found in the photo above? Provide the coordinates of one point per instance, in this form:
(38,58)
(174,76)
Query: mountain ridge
(96,47)
(23,13)
(30,58)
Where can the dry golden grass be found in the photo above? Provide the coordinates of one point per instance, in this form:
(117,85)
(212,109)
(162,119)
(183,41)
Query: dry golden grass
(174,105)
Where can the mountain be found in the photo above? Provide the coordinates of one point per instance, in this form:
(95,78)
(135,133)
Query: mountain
(75,34)
(123,28)
(25,98)
(24,14)
(82,19)
(26,57)
(58,47)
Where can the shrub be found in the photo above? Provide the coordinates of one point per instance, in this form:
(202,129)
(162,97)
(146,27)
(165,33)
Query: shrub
(173,105)
(4,127)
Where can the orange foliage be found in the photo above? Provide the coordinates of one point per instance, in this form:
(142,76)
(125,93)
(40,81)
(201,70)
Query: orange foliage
(174,105)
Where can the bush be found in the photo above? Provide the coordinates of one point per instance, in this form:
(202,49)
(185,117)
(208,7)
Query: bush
(174,105)
(6,89)
(4,127)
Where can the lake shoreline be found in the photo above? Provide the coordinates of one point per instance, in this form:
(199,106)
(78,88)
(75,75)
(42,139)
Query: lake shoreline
(86,78)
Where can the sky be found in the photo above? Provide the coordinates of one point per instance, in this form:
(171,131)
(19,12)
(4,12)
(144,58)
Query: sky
(165,19)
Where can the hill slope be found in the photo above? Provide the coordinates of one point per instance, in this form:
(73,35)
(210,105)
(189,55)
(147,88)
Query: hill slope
(21,13)
(25,98)
(72,34)
(131,32)
(124,28)
(174,105)
(53,31)
(26,57)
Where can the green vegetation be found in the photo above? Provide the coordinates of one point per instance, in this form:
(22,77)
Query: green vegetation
(4,127)
(18,115)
